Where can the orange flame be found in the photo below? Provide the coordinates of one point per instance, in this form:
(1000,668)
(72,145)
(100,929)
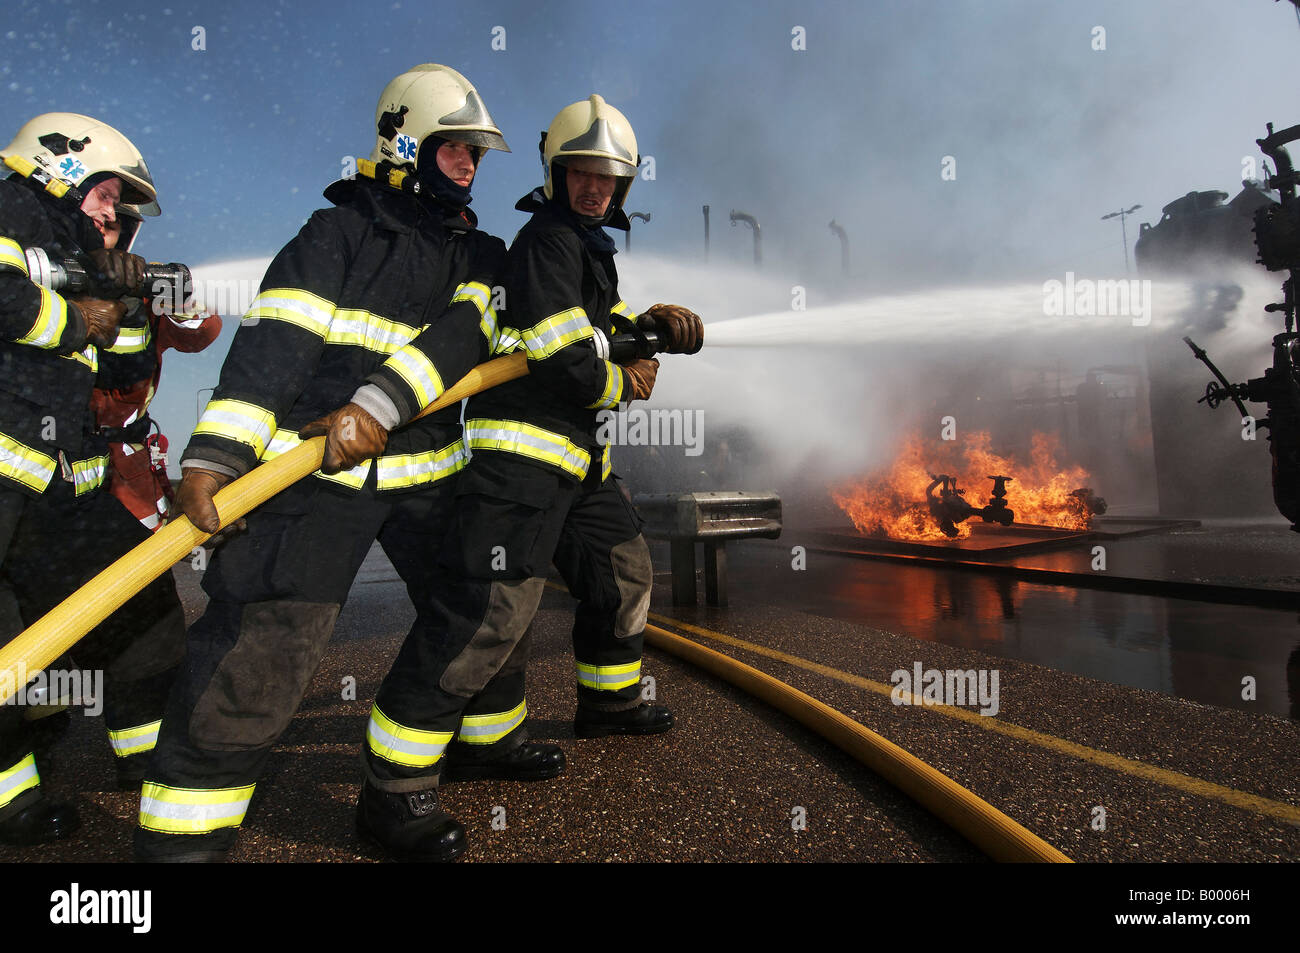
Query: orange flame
(893,503)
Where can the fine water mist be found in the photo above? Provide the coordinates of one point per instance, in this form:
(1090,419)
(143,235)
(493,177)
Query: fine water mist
(795,400)
(830,392)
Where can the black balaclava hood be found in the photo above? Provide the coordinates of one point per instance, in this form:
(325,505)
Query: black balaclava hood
(432,180)
(73,229)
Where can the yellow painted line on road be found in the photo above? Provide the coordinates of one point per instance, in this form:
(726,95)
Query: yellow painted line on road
(1183,782)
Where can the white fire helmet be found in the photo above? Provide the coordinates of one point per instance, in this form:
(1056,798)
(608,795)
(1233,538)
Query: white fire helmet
(72,148)
(595,129)
(431,100)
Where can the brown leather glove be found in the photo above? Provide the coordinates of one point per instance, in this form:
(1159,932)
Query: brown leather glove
(351,436)
(680,330)
(102,318)
(117,272)
(194,498)
(643,374)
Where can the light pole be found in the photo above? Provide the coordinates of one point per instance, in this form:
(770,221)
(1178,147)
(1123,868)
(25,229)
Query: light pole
(1123,213)
(198,412)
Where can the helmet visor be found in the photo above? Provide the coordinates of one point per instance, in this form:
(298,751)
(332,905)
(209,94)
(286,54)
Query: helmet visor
(474,137)
(600,165)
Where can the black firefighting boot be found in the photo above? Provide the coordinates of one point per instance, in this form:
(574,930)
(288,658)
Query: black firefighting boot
(645,719)
(40,821)
(154,847)
(131,770)
(410,825)
(525,762)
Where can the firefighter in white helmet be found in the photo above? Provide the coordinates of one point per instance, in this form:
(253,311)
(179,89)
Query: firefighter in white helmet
(378,305)
(68,174)
(540,487)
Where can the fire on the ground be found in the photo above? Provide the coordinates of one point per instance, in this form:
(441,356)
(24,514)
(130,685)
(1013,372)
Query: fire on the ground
(1042,491)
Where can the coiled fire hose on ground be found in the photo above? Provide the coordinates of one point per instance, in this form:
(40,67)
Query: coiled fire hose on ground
(64,625)
(993,832)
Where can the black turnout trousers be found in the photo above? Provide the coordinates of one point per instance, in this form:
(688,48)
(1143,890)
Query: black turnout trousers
(459,678)
(51,545)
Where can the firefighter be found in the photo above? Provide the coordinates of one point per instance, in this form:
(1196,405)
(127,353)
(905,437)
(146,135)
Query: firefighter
(57,527)
(128,379)
(539,490)
(363,319)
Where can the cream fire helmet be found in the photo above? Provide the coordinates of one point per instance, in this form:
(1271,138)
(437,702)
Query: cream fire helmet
(71,148)
(431,100)
(596,129)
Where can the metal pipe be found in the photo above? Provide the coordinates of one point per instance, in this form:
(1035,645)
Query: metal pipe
(627,236)
(706,233)
(758,234)
(838,229)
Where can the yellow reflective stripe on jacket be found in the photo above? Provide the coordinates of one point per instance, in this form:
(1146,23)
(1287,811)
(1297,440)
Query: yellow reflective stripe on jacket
(18,778)
(476,292)
(613,393)
(487,729)
(413,469)
(558,331)
(515,436)
(405,746)
(491,330)
(366,329)
(623,309)
(129,741)
(88,474)
(606,467)
(89,357)
(507,342)
(22,464)
(239,421)
(295,306)
(51,321)
(12,256)
(481,296)
(131,340)
(190,810)
(419,373)
(609,677)
(286,440)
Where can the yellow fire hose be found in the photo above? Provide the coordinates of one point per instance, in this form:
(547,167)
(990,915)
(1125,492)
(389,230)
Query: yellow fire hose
(65,624)
(978,821)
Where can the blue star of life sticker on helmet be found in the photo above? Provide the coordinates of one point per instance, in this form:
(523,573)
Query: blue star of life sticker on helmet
(406,146)
(72,168)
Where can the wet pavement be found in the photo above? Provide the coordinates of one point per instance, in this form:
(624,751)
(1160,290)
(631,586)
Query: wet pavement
(1192,648)
(1101,770)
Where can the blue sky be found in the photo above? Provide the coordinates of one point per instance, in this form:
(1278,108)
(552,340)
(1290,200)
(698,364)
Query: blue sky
(1047,131)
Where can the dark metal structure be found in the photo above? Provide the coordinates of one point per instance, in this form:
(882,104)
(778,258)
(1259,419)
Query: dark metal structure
(1277,236)
(758,233)
(713,518)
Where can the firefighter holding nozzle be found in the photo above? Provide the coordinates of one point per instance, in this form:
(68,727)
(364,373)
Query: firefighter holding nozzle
(540,490)
(70,175)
